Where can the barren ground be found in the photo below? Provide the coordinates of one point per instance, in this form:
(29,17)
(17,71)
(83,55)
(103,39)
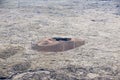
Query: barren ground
(21,26)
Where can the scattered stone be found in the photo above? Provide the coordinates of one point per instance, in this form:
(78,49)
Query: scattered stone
(33,75)
(43,74)
(70,72)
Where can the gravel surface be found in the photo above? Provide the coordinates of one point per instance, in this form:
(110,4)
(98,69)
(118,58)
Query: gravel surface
(26,22)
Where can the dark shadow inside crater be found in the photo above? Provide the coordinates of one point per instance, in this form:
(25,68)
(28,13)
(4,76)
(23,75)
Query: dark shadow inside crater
(61,39)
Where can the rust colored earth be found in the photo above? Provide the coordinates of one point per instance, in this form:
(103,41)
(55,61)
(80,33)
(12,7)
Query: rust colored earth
(57,44)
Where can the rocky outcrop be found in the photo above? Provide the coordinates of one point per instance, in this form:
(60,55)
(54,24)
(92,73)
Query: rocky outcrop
(70,72)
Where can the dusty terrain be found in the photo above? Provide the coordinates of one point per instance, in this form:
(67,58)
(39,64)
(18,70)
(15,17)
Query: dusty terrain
(20,27)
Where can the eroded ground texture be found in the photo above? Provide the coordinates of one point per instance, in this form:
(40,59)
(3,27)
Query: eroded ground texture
(24,22)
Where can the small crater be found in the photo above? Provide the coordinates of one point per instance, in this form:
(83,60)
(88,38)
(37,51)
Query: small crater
(57,44)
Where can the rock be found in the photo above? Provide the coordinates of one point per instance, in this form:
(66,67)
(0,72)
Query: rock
(43,75)
(35,75)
